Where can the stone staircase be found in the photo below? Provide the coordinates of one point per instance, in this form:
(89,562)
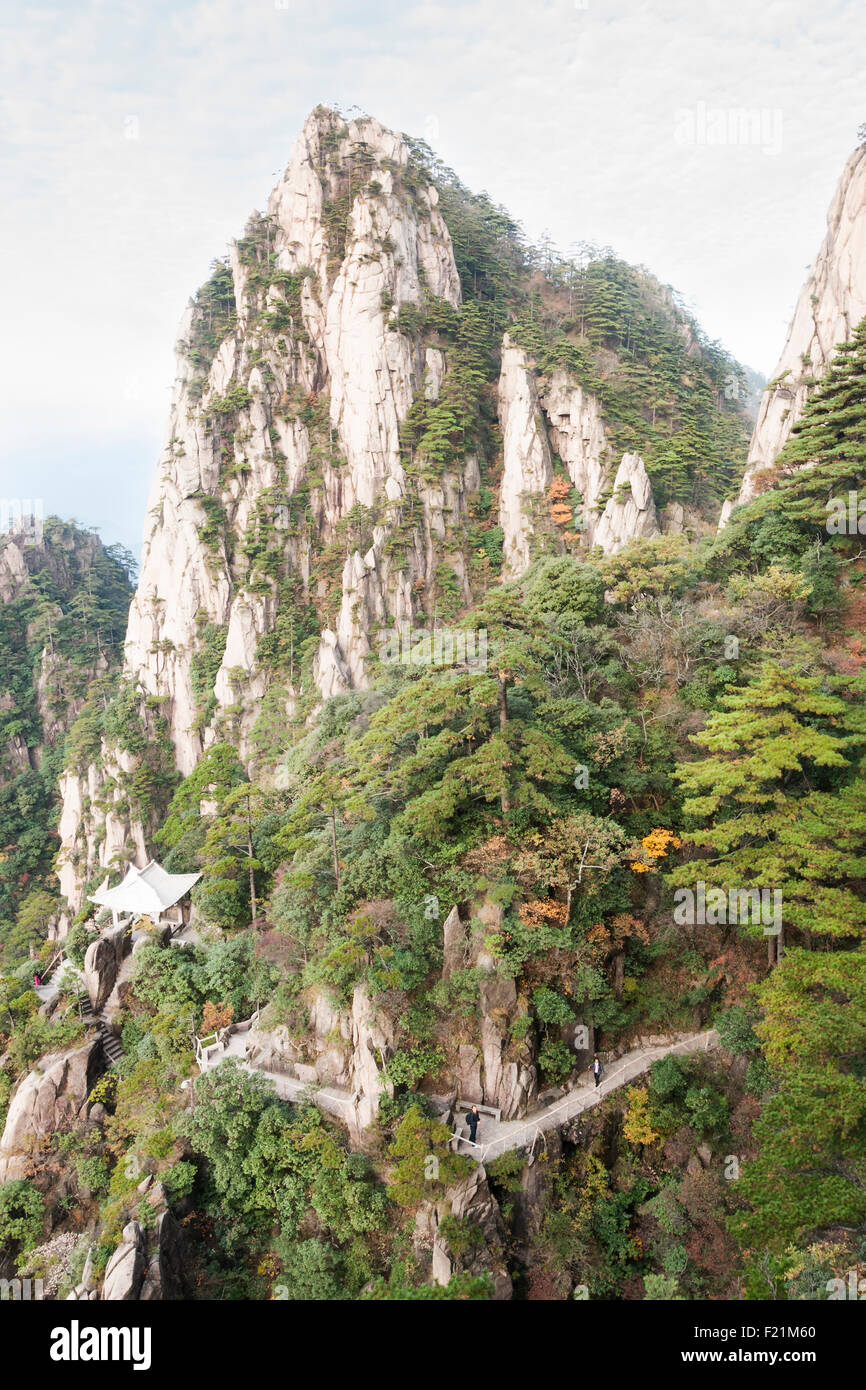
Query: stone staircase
(111,1044)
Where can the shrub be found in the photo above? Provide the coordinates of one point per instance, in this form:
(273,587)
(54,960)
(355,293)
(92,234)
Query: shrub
(93,1174)
(555,1060)
(22,1209)
(551,1007)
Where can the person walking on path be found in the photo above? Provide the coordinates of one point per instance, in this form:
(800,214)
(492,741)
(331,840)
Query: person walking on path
(472,1120)
(597,1069)
(36,980)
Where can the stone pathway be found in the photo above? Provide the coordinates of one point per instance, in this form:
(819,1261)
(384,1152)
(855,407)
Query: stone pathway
(63,975)
(333,1100)
(495,1137)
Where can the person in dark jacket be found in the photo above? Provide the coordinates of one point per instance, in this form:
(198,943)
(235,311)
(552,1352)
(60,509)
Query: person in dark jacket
(472,1120)
(597,1069)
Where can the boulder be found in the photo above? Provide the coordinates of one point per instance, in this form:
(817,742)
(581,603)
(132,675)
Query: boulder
(510,1078)
(52,1097)
(102,963)
(372,1044)
(273,1050)
(630,512)
(164,1278)
(147,1265)
(124,1273)
(471,1200)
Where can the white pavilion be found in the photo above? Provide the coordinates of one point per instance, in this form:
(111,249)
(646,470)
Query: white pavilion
(148,892)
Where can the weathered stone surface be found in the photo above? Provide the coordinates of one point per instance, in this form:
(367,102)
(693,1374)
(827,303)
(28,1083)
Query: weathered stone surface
(454,943)
(831,304)
(510,1080)
(341,346)
(52,1097)
(372,1044)
(125,1270)
(164,1278)
(630,512)
(469,1083)
(527,460)
(147,1265)
(273,1050)
(350,1048)
(102,963)
(577,434)
(472,1200)
(530,1203)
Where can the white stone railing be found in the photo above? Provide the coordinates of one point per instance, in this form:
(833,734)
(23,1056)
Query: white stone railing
(205,1048)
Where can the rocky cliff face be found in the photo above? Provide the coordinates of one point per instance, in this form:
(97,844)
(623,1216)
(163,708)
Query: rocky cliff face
(469,1201)
(39,578)
(551,418)
(527,463)
(293,380)
(831,304)
(290,525)
(52,1097)
(63,604)
(319,381)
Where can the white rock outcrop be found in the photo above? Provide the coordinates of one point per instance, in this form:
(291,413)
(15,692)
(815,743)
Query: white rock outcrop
(527,460)
(630,511)
(578,436)
(51,1097)
(303,395)
(347,1048)
(831,304)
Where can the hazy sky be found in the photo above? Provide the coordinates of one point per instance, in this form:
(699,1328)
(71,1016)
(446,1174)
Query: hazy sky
(137,137)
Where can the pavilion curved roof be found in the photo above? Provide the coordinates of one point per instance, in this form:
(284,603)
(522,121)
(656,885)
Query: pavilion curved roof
(148,891)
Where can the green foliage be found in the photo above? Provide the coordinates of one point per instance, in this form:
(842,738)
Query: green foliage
(551,1007)
(312,1271)
(556,1060)
(788,521)
(737,1031)
(22,1209)
(93,1174)
(65,620)
(217,773)
(812,1160)
(214,317)
(179,1180)
(423,1163)
(204,666)
(669,393)
(659,1287)
(779,797)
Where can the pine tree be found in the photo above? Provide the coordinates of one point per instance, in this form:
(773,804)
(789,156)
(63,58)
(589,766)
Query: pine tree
(780,800)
